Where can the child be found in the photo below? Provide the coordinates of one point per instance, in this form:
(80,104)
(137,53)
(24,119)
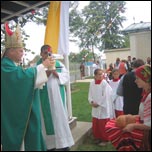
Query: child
(100,98)
(118,100)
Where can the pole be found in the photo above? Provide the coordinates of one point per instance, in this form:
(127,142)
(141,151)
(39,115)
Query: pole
(68,86)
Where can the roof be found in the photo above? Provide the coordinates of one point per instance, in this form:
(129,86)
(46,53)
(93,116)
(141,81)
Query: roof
(13,9)
(138,27)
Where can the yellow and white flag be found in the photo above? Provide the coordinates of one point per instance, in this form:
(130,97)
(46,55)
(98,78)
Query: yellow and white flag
(57,27)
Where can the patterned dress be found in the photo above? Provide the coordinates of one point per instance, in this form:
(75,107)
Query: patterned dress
(130,141)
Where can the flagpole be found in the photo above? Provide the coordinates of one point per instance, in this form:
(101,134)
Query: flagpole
(68,86)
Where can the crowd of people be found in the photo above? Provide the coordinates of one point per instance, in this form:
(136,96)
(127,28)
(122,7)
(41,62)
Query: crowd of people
(33,102)
(123,96)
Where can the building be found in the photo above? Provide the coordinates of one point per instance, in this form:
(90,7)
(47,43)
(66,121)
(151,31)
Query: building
(140,43)
(140,39)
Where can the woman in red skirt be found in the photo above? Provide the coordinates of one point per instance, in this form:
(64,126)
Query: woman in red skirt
(135,136)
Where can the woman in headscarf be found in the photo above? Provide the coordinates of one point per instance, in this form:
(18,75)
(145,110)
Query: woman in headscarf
(135,136)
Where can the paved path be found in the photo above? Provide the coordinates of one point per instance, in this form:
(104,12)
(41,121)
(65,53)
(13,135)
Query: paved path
(84,80)
(80,132)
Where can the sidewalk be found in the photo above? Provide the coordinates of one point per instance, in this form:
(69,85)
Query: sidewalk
(80,132)
(84,80)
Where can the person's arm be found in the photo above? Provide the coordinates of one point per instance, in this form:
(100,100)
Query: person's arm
(63,76)
(55,73)
(132,126)
(48,72)
(126,67)
(120,87)
(90,98)
(93,104)
(41,77)
(146,125)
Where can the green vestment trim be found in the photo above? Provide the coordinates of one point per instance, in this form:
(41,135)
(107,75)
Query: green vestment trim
(62,88)
(45,104)
(20,108)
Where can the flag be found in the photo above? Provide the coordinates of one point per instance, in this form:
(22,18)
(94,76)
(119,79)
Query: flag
(57,27)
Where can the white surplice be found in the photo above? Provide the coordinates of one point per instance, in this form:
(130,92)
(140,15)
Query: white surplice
(102,95)
(118,100)
(63,136)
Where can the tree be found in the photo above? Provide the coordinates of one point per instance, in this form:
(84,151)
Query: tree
(84,55)
(99,25)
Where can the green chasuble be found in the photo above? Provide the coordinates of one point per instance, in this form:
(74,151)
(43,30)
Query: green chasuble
(20,108)
(45,103)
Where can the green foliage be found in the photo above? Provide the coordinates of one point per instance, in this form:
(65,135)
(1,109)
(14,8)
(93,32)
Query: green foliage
(126,42)
(99,25)
(84,55)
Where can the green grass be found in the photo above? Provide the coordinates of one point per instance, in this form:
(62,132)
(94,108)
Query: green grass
(80,104)
(82,110)
(89,145)
(89,77)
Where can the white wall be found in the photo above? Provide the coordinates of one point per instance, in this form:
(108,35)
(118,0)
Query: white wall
(140,44)
(140,47)
(112,54)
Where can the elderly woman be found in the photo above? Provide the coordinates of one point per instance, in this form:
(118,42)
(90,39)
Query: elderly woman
(135,136)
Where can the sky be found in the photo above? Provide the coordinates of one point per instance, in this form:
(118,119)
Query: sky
(136,11)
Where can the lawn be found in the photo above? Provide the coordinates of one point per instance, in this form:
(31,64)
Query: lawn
(80,105)
(82,110)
